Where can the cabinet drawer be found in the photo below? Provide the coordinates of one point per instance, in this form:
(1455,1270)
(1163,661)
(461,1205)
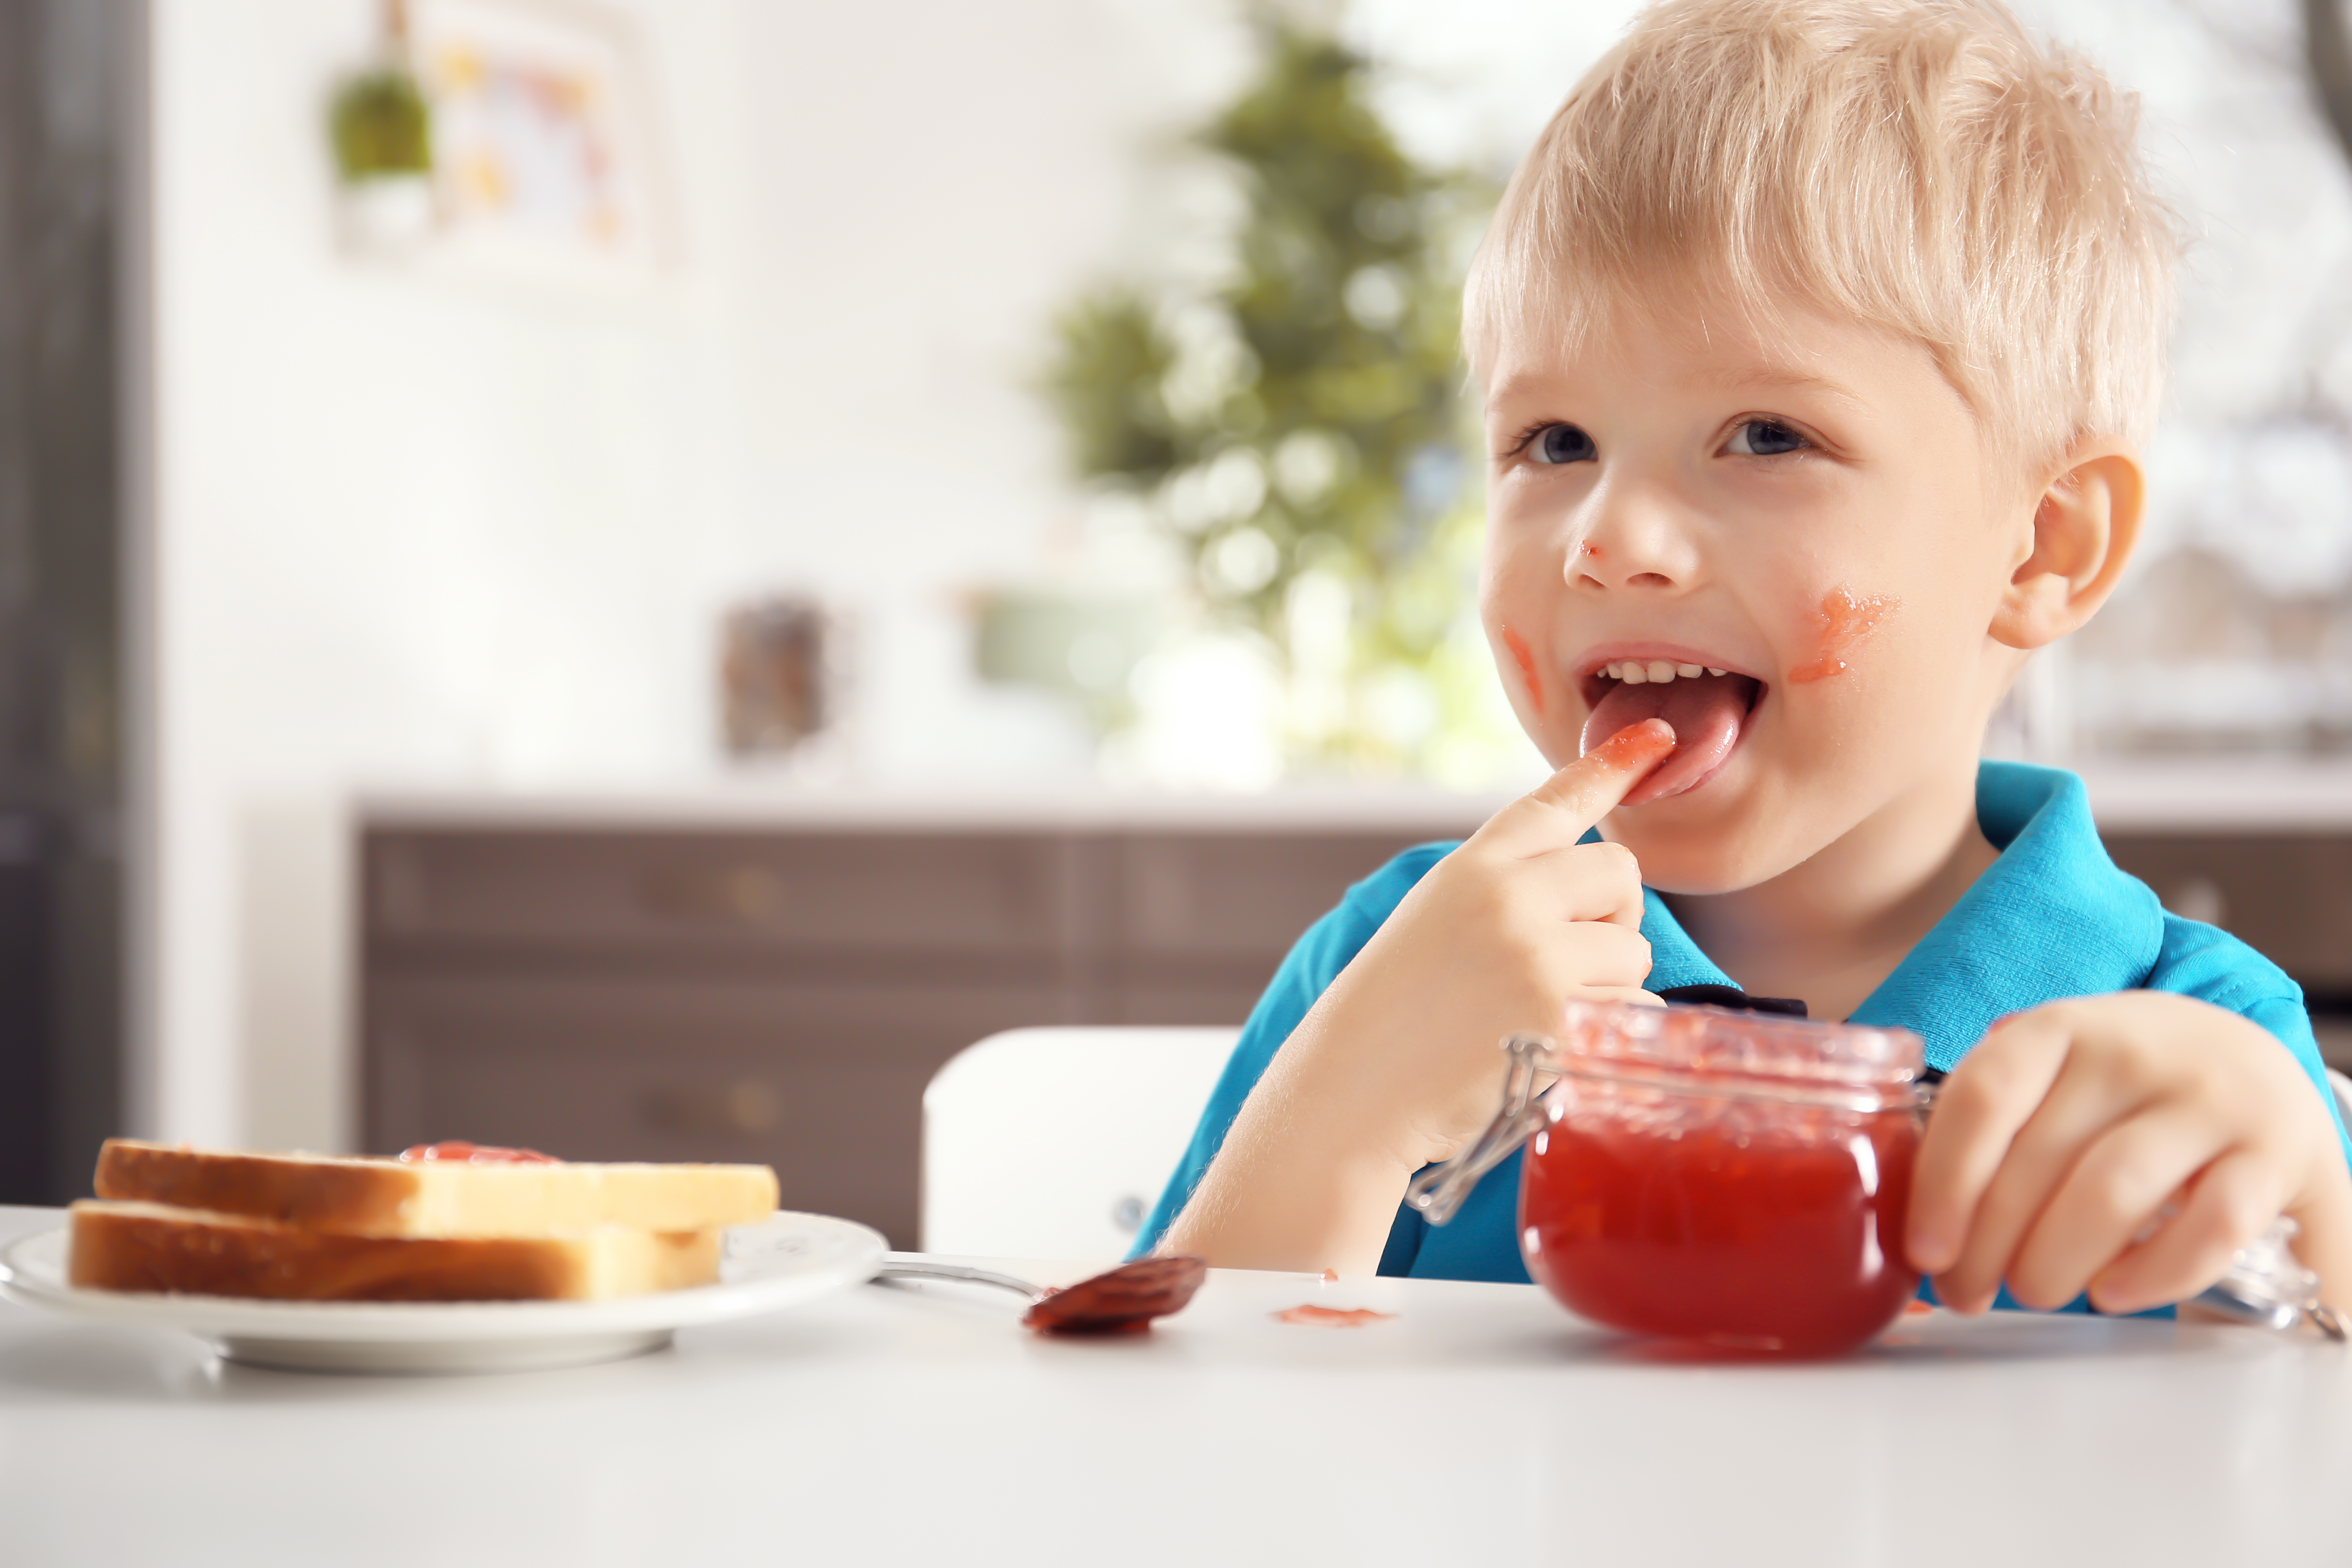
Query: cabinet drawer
(824,1083)
(1236,895)
(652,893)
(1193,999)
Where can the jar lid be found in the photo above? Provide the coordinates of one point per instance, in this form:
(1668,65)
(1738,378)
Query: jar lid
(1725,1042)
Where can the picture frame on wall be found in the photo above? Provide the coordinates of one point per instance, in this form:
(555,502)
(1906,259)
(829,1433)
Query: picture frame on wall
(548,160)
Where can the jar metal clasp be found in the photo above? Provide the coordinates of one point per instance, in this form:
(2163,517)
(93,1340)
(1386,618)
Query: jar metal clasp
(1439,1191)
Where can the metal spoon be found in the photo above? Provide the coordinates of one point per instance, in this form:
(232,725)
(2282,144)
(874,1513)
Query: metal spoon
(1122,1301)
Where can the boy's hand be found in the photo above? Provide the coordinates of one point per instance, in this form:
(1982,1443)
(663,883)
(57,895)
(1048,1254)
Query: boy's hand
(1396,1064)
(1489,943)
(2053,1147)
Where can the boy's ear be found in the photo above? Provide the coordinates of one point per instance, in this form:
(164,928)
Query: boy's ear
(2084,530)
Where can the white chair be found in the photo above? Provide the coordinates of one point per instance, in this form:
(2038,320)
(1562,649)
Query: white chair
(1056,1143)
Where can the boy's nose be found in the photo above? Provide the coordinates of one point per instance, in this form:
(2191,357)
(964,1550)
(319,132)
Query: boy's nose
(1632,543)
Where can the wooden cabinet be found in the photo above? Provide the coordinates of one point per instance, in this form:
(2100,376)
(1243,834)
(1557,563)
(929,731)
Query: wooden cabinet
(823,1079)
(782,995)
(2287,894)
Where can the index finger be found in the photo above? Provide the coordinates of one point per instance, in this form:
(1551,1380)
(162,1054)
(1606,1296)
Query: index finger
(1562,809)
(1980,1110)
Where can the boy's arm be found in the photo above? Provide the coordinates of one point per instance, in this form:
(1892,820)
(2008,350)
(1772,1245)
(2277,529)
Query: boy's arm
(1395,1066)
(2056,1146)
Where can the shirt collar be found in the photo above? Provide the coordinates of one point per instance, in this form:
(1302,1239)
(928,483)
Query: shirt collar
(2052,916)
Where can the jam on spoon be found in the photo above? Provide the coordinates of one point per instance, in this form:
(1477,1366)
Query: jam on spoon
(1122,1301)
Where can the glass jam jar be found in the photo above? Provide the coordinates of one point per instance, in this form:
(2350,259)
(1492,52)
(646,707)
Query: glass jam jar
(1735,1178)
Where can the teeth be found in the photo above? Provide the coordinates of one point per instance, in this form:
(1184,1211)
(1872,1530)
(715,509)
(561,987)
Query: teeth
(1639,673)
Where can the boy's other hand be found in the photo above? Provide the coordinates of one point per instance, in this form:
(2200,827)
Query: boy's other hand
(2054,1148)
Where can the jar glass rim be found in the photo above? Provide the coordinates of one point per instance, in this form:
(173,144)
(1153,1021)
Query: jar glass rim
(1732,1045)
(1771,1090)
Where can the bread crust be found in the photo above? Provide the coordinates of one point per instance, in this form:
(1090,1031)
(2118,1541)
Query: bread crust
(146,1247)
(438,1199)
(358,1196)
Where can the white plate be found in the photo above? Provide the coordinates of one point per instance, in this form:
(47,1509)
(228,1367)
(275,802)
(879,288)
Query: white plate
(778,1263)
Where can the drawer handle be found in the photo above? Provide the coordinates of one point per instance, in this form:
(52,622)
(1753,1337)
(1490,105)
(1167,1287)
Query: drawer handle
(749,1106)
(751,894)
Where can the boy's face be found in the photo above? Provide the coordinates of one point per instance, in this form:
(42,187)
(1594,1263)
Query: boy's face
(1811,511)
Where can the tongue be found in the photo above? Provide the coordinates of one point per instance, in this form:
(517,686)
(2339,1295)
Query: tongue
(1706,711)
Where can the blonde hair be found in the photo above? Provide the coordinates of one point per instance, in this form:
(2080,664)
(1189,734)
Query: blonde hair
(1923,166)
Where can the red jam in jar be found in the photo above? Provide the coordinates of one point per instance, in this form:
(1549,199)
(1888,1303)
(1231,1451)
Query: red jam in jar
(1785,1239)
(1725,1177)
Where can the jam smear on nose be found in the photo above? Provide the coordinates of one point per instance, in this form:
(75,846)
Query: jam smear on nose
(1845,620)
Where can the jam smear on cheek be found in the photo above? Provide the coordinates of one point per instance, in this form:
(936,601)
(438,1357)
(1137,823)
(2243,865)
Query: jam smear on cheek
(1845,621)
(1525,660)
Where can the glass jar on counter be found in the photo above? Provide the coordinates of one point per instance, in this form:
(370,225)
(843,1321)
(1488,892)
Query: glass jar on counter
(1735,1178)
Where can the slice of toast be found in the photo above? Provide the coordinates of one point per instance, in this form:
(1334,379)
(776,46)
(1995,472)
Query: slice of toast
(151,1247)
(434,1198)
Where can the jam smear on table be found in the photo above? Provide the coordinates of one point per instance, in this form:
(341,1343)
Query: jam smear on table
(1331,1317)
(1751,1226)
(458,1152)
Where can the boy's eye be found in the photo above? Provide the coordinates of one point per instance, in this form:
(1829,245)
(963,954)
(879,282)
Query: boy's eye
(1764,438)
(1562,444)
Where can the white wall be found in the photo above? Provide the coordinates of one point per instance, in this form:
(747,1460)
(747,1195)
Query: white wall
(411,528)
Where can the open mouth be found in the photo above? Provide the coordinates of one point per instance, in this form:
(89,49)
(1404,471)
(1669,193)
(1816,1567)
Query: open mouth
(1708,706)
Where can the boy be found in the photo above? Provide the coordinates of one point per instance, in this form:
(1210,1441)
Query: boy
(1817,340)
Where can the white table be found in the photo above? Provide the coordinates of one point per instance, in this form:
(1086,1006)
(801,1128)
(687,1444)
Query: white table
(1482,1425)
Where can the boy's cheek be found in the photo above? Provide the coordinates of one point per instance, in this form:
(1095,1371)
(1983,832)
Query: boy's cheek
(1518,617)
(1875,631)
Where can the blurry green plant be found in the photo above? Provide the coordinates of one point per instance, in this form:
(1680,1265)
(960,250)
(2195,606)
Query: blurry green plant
(381,125)
(1300,428)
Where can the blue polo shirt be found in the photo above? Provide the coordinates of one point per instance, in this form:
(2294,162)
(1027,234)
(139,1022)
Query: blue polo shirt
(2051,918)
